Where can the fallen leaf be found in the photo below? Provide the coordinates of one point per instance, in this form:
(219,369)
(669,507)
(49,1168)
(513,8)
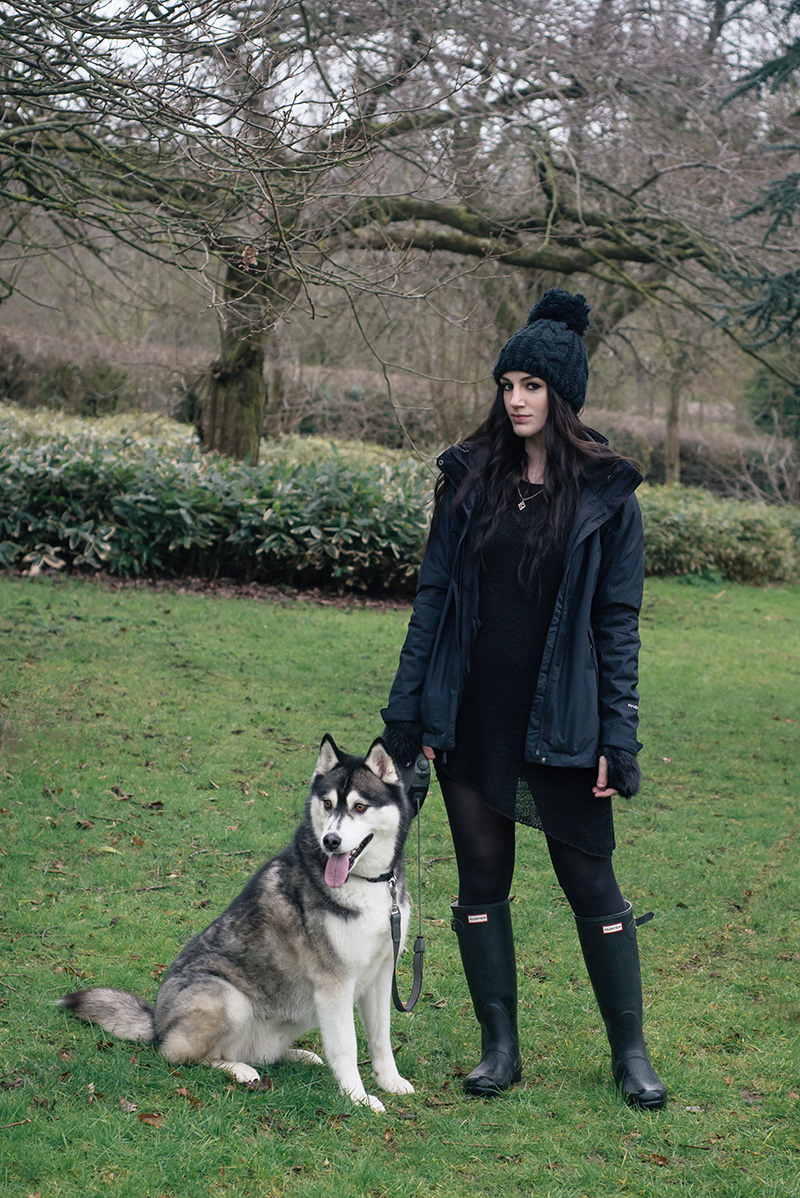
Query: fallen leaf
(127,1106)
(263,1083)
(151,1118)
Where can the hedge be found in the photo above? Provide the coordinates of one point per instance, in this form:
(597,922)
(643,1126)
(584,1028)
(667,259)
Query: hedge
(688,531)
(332,518)
(312,514)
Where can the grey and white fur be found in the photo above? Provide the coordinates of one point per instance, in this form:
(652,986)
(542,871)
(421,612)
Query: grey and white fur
(306,940)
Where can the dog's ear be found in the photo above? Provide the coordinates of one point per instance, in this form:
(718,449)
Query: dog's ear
(380,761)
(328,756)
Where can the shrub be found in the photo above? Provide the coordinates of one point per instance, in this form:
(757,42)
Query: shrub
(351,517)
(728,463)
(331,517)
(92,388)
(689,531)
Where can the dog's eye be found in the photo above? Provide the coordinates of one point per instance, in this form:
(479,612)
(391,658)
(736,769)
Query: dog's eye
(327,804)
(360,808)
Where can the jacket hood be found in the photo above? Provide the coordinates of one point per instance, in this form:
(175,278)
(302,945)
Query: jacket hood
(455,463)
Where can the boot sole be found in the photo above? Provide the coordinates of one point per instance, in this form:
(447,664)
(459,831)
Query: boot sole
(643,1104)
(491,1089)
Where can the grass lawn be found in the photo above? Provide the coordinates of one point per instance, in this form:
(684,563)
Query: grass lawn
(157,747)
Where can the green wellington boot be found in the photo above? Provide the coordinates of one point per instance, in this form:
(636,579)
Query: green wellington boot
(612,961)
(486,941)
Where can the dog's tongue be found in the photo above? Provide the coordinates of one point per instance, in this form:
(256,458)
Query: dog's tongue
(337,869)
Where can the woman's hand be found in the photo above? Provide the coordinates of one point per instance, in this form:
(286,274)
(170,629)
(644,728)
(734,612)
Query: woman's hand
(428,751)
(617,773)
(601,789)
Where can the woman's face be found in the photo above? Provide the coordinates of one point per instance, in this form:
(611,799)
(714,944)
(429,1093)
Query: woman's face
(525,397)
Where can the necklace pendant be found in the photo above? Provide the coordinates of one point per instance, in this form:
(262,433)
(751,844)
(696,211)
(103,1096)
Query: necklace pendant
(521,505)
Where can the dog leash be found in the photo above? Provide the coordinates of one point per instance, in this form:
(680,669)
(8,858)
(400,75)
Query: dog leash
(416,779)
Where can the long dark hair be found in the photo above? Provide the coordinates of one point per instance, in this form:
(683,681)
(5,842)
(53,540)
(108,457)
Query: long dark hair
(498,463)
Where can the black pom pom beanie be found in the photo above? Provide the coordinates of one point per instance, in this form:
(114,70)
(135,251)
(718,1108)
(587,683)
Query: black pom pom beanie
(551,345)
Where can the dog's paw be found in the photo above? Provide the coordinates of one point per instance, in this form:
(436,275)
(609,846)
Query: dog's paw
(395,1085)
(245,1074)
(303,1055)
(364,1099)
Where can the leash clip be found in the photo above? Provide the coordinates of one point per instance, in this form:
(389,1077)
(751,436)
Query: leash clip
(394,916)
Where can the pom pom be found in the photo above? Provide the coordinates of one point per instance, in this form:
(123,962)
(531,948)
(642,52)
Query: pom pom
(563,306)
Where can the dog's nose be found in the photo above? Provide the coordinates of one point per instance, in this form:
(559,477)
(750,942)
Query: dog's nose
(331,841)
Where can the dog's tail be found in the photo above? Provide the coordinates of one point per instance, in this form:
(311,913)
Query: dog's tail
(116,1011)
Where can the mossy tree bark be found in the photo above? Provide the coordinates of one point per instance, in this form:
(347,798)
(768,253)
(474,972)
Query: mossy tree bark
(234,393)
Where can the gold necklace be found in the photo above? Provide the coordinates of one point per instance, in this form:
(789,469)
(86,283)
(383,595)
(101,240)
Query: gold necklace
(526,499)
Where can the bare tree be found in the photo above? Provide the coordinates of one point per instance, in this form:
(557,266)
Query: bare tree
(284,147)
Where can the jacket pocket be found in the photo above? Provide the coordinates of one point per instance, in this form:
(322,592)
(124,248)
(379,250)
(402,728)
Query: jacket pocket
(592,654)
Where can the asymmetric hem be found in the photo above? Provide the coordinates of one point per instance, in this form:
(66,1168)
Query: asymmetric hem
(498,694)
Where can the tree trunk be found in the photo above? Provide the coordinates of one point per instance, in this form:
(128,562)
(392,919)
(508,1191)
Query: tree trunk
(275,392)
(672,472)
(234,398)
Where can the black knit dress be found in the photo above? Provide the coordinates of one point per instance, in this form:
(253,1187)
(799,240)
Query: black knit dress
(498,696)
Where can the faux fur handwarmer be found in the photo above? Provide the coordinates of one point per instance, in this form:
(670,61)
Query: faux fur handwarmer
(403,739)
(624,774)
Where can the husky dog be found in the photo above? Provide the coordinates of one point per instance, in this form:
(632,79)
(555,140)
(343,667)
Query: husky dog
(307,938)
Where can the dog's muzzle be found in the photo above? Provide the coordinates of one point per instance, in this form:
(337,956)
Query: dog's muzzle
(339,865)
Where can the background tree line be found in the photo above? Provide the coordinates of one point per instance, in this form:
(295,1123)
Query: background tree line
(379,192)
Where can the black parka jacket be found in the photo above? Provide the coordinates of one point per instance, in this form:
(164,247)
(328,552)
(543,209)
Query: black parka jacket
(586,695)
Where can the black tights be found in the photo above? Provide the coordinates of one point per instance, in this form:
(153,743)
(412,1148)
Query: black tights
(484,842)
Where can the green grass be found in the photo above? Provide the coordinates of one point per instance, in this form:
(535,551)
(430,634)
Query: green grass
(157,747)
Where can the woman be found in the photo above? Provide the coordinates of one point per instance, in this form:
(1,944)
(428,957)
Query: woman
(518,677)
